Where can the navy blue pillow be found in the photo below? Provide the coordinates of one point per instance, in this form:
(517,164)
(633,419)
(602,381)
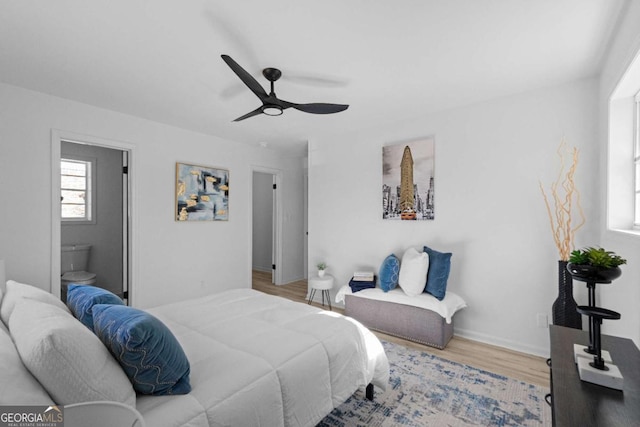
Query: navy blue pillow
(148,352)
(82,298)
(438,274)
(389,273)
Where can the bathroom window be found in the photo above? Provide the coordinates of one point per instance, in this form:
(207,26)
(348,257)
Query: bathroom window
(76,189)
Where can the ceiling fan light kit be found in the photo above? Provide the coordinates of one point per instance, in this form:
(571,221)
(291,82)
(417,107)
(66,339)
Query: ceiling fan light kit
(272,110)
(271,104)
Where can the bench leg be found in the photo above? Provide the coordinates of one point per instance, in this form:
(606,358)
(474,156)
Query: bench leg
(369,392)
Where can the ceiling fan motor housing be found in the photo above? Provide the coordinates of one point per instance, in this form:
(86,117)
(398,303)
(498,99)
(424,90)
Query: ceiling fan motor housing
(271,74)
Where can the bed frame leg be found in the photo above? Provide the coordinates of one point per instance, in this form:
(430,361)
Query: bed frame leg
(369,391)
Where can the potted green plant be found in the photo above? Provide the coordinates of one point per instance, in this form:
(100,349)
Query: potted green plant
(595,265)
(321,268)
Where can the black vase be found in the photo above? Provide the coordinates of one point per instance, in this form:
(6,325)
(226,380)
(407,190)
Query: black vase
(565,309)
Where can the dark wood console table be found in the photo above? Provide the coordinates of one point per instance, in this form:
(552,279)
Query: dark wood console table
(578,403)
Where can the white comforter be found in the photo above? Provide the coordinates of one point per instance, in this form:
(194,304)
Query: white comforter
(260,360)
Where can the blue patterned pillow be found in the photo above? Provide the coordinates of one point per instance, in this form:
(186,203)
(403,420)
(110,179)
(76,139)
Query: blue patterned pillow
(82,298)
(148,352)
(438,274)
(389,272)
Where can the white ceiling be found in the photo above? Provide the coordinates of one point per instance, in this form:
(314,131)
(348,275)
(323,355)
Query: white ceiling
(389,60)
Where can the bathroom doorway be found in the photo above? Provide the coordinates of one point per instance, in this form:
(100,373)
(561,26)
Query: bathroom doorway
(97,216)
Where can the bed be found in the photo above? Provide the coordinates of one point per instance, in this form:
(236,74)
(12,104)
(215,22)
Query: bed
(255,359)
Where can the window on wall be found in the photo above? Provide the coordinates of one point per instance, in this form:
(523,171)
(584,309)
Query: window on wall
(636,159)
(623,159)
(76,190)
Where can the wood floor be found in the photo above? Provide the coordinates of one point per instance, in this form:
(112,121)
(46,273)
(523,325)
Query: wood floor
(513,364)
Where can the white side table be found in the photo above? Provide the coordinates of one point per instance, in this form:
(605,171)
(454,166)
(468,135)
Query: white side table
(323,284)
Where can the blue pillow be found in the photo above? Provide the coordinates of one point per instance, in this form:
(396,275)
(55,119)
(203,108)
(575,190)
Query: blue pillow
(438,274)
(148,352)
(82,298)
(389,273)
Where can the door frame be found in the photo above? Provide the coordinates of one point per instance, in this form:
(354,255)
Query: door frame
(129,221)
(276,240)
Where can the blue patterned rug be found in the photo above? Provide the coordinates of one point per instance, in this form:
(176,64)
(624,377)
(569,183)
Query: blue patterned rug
(426,390)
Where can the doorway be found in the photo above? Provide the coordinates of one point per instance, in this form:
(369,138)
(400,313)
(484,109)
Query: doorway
(105,229)
(265,219)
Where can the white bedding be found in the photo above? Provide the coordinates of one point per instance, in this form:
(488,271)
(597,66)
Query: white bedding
(446,308)
(262,360)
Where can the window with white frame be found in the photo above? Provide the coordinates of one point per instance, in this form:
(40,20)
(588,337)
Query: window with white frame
(636,160)
(623,155)
(76,190)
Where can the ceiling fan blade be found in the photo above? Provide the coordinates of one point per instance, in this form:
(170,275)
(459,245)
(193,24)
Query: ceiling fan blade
(319,108)
(246,77)
(251,114)
(317,80)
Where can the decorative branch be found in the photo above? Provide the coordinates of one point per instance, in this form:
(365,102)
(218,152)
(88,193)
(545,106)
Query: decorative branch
(565,196)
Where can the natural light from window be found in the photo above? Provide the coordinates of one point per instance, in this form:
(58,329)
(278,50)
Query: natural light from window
(636,221)
(623,169)
(75,190)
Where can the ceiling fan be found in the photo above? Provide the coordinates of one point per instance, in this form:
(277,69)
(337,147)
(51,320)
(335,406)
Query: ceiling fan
(271,104)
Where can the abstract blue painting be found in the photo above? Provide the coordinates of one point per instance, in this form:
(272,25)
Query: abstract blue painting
(202,193)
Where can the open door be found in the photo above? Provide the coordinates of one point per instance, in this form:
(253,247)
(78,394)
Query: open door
(263,227)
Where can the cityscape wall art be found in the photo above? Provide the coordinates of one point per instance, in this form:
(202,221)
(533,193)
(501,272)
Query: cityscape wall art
(202,193)
(408,180)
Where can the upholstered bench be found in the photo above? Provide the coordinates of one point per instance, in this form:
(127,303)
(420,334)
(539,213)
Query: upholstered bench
(420,318)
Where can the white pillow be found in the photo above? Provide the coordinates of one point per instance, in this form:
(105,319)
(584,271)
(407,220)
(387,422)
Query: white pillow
(17,385)
(67,358)
(16,291)
(413,272)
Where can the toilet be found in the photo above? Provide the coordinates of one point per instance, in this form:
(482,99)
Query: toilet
(74,260)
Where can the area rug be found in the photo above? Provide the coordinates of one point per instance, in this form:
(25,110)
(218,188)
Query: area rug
(426,390)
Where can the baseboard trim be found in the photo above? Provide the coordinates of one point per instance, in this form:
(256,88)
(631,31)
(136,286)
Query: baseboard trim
(499,342)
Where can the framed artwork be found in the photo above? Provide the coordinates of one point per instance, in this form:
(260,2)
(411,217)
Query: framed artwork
(408,180)
(202,193)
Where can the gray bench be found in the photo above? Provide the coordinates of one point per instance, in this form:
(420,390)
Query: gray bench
(400,320)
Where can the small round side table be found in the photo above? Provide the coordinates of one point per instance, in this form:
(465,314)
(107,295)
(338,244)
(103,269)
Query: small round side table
(323,284)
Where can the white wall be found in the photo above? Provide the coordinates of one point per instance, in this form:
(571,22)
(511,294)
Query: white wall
(172,260)
(623,295)
(488,206)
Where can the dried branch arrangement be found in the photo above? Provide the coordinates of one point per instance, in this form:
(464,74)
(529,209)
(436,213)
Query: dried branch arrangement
(565,196)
